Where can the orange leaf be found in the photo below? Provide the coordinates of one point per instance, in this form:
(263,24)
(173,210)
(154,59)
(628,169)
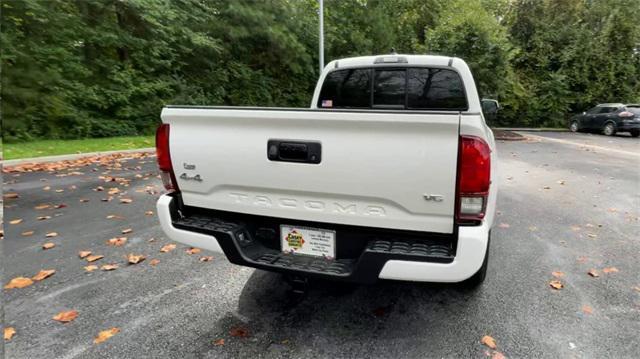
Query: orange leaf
(109,267)
(593,273)
(19,282)
(117,241)
(27,233)
(154,262)
(126,231)
(43,274)
(497,355)
(48,245)
(66,317)
(193,250)
(135,259)
(168,248)
(84,254)
(126,200)
(489,341)
(42,206)
(148,213)
(587,309)
(239,332)
(11,195)
(94,258)
(106,334)
(610,270)
(557,274)
(90,268)
(218,342)
(9,332)
(51,234)
(206,258)
(16,221)
(556,284)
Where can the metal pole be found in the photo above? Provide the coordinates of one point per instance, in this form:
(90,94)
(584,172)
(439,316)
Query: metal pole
(321,40)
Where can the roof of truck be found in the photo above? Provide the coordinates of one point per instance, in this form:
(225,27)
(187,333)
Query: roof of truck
(389,59)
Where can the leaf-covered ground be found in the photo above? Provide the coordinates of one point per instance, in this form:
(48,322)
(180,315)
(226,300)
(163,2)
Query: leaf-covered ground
(562,282)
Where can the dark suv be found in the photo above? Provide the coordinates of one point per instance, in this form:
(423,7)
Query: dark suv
(609,118)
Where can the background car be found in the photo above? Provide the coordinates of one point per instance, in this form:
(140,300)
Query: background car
(609,118)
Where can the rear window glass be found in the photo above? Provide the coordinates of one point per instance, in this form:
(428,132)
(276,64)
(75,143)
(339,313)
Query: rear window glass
(404,88)
(435,89)
(389,88)
(346,89)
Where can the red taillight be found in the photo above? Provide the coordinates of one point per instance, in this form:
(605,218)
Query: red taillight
(474,178)
(164,158)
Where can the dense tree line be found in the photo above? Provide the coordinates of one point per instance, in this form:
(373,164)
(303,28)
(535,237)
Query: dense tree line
(80,68)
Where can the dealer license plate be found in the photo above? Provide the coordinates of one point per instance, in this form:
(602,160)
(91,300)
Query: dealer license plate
(309,241)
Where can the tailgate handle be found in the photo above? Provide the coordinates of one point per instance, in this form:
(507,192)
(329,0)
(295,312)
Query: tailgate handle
(294,151)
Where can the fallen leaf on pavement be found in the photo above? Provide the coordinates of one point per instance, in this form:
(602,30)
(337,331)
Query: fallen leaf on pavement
(66,317)
(610,270)
(126,200)
(48,245)
(42,218)
(114,216)
(239,332)
(218,342)
(135,259)
(90,268)
(206,258)
(592,235)
(546,187)
(84,200)
(42,206)
(193,250)
(83,254)
(503,225)
(11,195)
(108,267)
(168,248)
(43,274)
(556,284)
(561,182)
(51,234)
(9,332)
(557,274)
(99,189)
(489,341)
(612,210)
(94,258)
(106,334)
(587,309)
(593,273)
(497,355)
(117,241)
(59,190)
(61,205)
(16,221)
(148,213)
(19,282)
(575,228)
(27,233)
(154,262)
(127,231)
(46,188)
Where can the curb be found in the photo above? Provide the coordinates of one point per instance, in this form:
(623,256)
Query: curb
(69,157)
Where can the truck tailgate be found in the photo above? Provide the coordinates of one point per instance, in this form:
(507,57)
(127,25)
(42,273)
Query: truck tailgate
(378,169)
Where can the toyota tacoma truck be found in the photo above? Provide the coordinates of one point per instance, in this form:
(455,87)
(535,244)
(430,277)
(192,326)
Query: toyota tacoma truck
(389,175)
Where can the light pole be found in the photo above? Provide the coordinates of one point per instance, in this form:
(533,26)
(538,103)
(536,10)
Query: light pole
(321,37)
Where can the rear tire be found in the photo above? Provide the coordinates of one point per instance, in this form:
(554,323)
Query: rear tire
(574,126)
(478,278)
(635,133)
(609,129)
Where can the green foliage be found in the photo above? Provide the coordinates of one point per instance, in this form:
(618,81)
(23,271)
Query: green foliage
(77,69)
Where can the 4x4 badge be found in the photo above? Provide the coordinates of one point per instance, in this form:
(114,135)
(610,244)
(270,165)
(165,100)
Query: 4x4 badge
(434,197)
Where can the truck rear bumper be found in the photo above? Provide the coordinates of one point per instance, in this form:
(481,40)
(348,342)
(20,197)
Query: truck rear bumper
(380,258)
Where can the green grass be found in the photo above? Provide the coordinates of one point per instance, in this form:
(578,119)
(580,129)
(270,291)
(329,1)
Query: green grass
(62,147)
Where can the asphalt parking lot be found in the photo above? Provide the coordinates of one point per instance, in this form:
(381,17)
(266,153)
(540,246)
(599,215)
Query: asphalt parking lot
(567,204)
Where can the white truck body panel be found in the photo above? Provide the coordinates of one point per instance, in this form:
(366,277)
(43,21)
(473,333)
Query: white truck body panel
(376,167)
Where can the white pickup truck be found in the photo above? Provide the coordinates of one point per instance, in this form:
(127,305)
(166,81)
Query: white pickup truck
(389,175)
